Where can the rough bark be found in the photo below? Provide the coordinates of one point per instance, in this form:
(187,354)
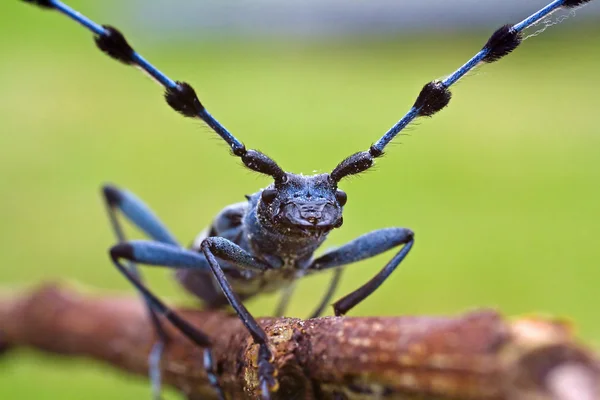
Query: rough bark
(478,355)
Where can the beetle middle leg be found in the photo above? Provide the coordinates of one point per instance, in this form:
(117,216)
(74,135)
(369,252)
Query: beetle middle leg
(158,254)
(363,247)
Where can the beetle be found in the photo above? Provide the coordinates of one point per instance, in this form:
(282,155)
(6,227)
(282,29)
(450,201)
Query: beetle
(267,242)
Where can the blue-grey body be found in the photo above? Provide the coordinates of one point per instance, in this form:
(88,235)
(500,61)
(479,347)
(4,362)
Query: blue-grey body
(287,256)
(235,223)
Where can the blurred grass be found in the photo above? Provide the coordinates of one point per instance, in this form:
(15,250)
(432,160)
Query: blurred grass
(501,188)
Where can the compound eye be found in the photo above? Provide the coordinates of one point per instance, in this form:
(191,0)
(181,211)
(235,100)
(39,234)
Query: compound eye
(268,195)
(341,197)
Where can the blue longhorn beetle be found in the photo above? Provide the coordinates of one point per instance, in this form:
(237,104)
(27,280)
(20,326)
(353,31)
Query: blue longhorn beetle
(267,242)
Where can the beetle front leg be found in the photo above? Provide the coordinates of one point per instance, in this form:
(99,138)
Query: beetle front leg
(228,251)
(363,247)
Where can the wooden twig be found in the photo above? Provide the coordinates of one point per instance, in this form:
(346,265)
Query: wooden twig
(476,356)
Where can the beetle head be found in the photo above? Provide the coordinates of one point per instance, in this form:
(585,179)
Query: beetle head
(305,205)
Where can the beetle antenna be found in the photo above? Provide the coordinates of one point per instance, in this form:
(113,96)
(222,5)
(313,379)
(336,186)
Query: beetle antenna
(436,95)
(179,95)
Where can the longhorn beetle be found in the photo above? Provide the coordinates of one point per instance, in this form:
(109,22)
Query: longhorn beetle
(267,242)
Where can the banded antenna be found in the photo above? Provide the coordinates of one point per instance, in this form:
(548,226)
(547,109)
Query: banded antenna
(436,95)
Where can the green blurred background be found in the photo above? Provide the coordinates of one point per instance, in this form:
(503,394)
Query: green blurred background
(501,188)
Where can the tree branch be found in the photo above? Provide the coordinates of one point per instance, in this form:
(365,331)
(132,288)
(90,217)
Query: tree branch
(475,356)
